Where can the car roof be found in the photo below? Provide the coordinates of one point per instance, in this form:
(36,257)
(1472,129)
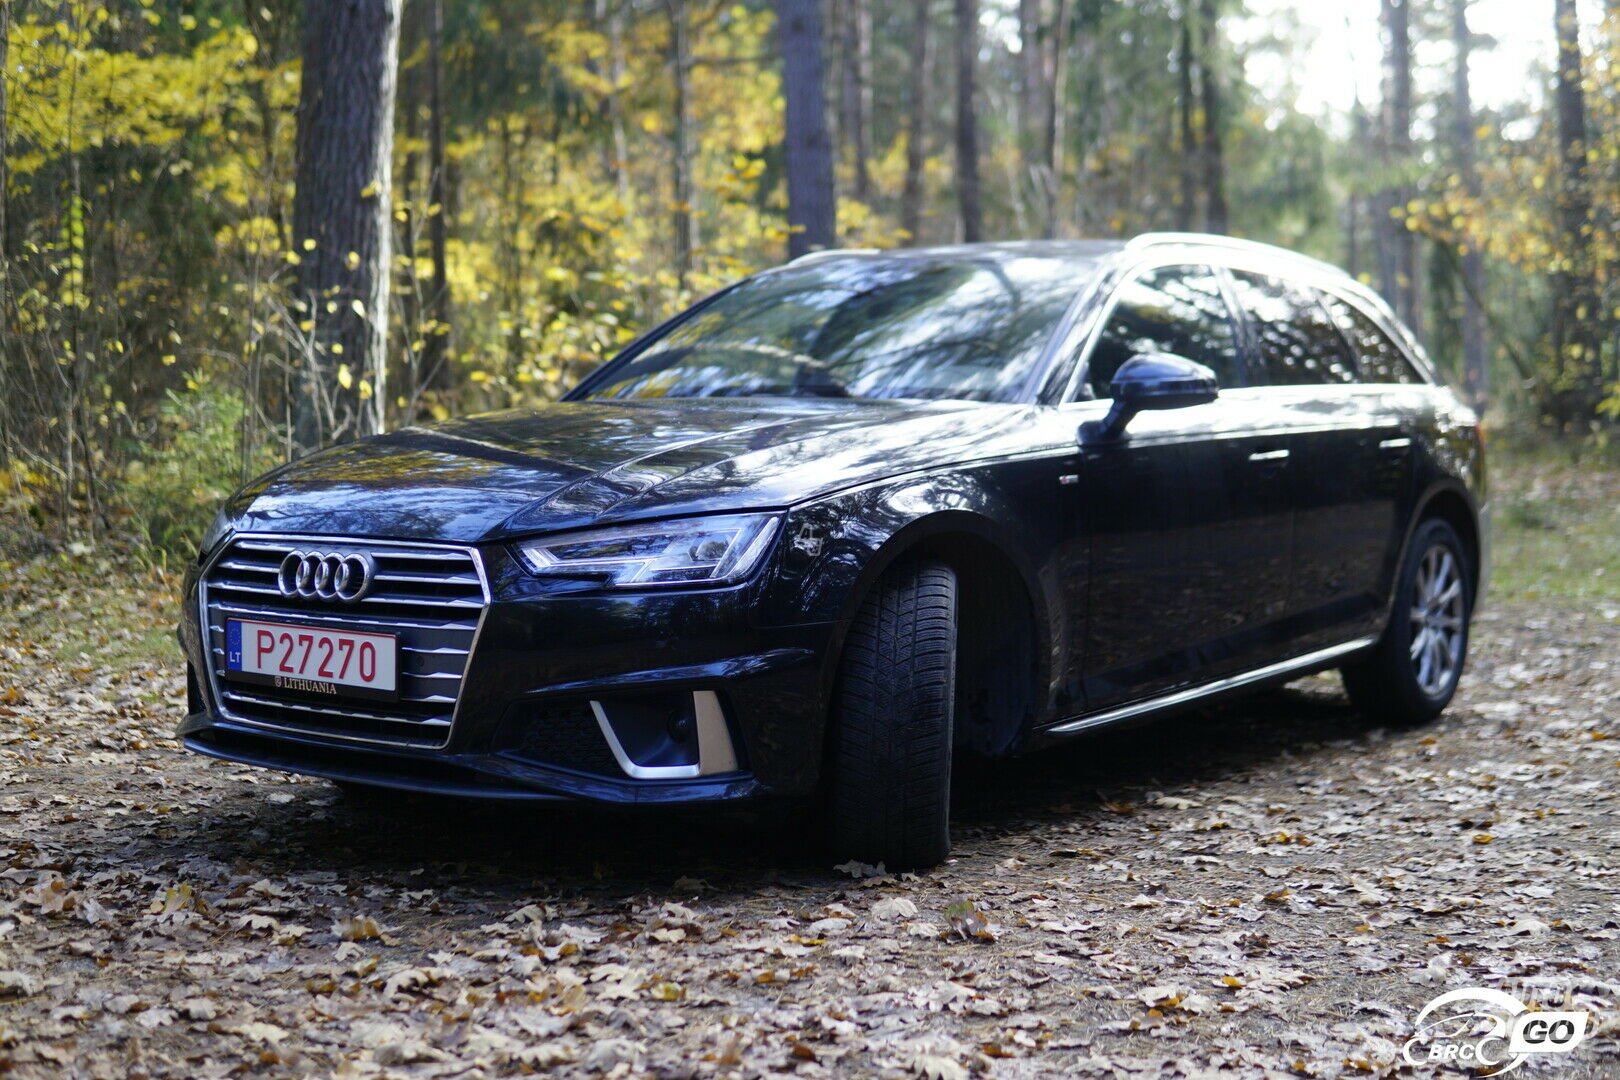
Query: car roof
(1067,250)
(1090,251)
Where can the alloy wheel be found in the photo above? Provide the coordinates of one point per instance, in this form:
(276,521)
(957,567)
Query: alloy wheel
(1437,620)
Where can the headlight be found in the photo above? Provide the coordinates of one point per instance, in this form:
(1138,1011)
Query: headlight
(704,550)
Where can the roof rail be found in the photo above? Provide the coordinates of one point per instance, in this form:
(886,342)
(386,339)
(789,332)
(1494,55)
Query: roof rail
(1230,243)
(828,253)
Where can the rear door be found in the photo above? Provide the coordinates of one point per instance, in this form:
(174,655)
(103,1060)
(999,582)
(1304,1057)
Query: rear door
(1392,399)
(1345,453)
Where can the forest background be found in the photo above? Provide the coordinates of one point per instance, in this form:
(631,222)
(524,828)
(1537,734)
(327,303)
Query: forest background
(234,230)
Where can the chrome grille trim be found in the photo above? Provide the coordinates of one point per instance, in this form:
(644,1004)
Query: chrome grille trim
(436,616)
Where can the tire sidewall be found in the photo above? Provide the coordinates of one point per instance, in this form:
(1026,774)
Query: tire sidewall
(889,793)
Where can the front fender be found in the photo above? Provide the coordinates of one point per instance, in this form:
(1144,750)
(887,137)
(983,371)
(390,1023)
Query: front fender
(834,549)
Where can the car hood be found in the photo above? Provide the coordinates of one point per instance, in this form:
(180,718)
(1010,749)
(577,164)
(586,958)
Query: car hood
(580,463)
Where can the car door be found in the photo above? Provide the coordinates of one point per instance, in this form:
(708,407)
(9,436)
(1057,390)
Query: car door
(1339,452)
(1186,532)
(1390,401)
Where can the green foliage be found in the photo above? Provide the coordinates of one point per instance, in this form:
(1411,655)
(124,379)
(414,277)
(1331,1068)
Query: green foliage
(190,462)
(1557,520)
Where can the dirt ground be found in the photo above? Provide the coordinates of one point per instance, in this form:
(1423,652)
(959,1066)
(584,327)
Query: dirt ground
(1274,888)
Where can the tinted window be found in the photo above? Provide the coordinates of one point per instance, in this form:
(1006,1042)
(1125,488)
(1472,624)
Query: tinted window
(906,327)
(1178,310)
(1381,360)
(1297,341)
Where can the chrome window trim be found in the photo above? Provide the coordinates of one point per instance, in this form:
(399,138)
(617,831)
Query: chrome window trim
(204,626)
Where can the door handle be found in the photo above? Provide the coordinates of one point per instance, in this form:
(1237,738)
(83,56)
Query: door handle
(1401,444)
(1269,457)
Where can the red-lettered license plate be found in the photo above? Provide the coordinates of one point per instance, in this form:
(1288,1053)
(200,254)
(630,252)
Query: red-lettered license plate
(310,660)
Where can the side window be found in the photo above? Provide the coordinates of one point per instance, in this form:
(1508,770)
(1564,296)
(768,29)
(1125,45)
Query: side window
(1178,309)
(1298,343)
(1382,361)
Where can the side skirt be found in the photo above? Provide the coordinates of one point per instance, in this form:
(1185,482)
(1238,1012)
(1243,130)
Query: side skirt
(1299,665)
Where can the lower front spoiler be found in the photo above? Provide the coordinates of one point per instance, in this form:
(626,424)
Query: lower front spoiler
(480,776)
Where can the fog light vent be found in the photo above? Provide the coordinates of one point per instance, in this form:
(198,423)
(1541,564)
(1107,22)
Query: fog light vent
(667,736)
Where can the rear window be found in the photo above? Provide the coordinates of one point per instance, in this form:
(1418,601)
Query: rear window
(1299,344)
(1381,360)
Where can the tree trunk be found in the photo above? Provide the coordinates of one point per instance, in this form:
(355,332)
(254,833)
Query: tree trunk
(616,69)
(812,209)
(408,105)
(911,198)
(1402,286)
(342,203)
(436,358)
(856,93)
(6,341)
(1033,115)
(1031,74)
(967,122)
(5,144)
(1216,216)
(1187,211)
(1057,84)
(681,218)
(1360,144)
(1576,341)
(1476,370)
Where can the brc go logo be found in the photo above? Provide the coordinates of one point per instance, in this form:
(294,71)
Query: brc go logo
(1479,1028)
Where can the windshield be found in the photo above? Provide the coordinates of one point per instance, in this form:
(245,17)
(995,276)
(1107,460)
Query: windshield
(864,327)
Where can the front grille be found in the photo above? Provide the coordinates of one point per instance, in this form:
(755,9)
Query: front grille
(430,597)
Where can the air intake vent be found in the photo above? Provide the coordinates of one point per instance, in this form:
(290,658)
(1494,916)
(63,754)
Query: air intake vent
(430,597)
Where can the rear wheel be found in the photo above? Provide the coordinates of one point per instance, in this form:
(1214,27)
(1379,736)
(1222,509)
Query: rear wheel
(1411,675)
(890,791)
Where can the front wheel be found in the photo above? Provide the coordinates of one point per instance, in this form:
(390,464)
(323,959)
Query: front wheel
(1411,675)
(890,791)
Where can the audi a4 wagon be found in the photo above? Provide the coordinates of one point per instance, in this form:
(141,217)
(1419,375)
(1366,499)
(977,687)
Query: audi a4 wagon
(852,518)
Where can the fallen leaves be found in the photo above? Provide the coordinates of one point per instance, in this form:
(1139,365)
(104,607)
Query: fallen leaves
(176,899)
(357,928)
(936,1067)
(153,897)
(892,908)
(412,979)
(19,984)
(967,923)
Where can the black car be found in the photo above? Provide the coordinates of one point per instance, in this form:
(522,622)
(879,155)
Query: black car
(851,517)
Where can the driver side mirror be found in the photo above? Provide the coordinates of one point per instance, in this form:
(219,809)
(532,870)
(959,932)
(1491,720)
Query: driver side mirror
(1151,381)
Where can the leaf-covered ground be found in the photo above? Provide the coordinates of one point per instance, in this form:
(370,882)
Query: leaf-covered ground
(1272,888)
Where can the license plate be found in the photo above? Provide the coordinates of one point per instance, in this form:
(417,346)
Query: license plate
(310,660)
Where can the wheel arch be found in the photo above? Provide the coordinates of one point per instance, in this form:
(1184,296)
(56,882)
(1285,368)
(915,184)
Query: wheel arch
(1452,504)
(1004,623)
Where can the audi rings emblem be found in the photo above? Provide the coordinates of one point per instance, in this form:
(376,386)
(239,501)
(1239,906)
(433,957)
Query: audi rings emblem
(326,576)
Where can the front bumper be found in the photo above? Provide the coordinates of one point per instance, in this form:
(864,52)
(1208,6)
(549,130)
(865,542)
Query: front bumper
(552,669)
